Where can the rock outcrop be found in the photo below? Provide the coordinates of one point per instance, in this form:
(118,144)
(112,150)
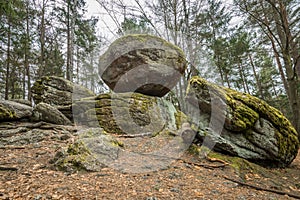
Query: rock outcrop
(89,152)
(22,101)
(47,113)
(252,129)
(58,92)
(10,110)
(127,113)
(142,63)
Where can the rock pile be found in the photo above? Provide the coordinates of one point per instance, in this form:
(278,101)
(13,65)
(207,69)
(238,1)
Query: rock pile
(142,63)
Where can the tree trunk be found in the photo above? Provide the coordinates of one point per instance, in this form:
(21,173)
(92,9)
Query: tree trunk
(285,38)
(42,41)
(242,77)
(70,39)
(8,61)
(26,61)
(258,83)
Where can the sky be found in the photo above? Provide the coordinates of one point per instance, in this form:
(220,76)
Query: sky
(105,24)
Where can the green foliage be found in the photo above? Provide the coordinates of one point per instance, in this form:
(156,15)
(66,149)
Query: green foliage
(134,25)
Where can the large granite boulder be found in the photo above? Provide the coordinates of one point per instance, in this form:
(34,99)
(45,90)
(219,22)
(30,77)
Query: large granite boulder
(47,113)
(10,110)
(251,128)
(58,92)
(142,63)
(127,113)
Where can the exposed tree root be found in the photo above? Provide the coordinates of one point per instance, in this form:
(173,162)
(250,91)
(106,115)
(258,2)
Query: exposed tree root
(262,188)
(4,168)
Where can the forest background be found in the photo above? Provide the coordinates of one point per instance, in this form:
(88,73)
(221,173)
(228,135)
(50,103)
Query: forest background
(252,46)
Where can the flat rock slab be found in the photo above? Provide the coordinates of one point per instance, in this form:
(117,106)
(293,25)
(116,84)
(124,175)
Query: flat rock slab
(142,63)
(10,110)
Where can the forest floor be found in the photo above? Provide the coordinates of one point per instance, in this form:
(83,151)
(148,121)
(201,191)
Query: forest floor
(25,173)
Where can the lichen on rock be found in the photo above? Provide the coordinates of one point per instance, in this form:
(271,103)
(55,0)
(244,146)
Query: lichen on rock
(10,110)
(127,113)
(252,129)
(142,63)
(92,151)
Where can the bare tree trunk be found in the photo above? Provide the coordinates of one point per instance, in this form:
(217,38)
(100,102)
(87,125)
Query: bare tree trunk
(70,38)
(42,41)
(258,83)
(285,38)
(242,77)
(8,61)
(69,45)
(26,61)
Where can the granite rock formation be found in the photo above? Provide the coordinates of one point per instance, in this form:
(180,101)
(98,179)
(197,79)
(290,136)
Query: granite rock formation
(142,63)
(252,129)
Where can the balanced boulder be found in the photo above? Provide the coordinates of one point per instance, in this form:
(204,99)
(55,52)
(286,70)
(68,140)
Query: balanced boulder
(142,63)
(248,127)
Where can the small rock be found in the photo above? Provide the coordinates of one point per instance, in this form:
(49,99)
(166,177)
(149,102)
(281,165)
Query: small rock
(175,190)
(151,198)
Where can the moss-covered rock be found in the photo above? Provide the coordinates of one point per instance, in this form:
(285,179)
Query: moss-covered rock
(47,113)
(92,151)
(128,113)
(58,92)
(10,110)
(252,129)
(142,63)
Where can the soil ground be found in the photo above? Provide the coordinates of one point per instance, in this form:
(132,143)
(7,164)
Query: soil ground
(27,174)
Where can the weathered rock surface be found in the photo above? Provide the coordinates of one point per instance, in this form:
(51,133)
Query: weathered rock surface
(252,129)
(21,136)
(10,110)
(142,63)
(89,152)
(127,113)
(59,93)
(95,149)
(47,113)
(22,101)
